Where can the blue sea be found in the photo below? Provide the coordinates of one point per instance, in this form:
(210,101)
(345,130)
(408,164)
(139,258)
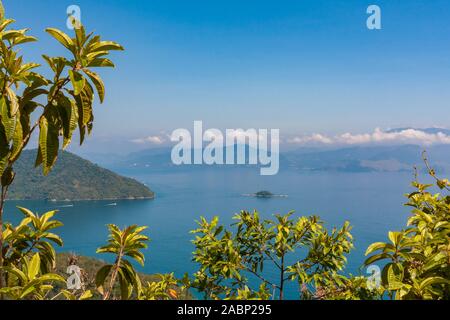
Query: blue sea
(372,202)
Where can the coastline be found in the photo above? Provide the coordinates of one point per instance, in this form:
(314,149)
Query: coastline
(79,200)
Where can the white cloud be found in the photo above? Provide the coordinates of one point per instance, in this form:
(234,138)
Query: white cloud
(315,138)
(379,136)
(150,140)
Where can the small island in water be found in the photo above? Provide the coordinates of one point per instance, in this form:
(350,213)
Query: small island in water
(265,194)
(72,178)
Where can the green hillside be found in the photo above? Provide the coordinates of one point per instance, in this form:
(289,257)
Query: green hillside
(72,178)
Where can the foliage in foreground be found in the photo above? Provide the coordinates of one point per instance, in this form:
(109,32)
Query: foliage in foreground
(227,260)
(415,263)
(31,271)
(418,257)
(61,104)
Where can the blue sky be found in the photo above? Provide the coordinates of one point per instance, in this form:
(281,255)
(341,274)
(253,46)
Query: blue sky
(300,66)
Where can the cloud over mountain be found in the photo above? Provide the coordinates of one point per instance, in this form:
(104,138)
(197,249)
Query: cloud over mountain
(150,140)
(425,137)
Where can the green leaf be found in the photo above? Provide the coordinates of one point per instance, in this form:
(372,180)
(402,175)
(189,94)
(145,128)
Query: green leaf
(18,273)
(11,35)
(433,281)
(104,46)
(7,177)
(27,291)
(94,55)
(84,107)
(55,238)
(77,80)
(24,39)
(8,122)
(4,149)
(374,247)
(4,23)
(27,67)
(100,277)
(33,267)
(27,212)
(86,295)
(80,34)
(395,237)
(39,160)
(17,144)
(62,38)
(98,83)
(393,276)
(49,277)
(48,143)
(125,286)
(14,104)
(69,115)
(101,62)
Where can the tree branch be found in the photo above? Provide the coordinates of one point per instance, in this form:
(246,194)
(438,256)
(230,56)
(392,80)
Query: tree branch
(261,278)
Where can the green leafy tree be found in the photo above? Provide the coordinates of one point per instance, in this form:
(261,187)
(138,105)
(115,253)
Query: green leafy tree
(30,259)
(122,243)
(33,234)
(60,104)
(226,259)
(27,280)
(417,259)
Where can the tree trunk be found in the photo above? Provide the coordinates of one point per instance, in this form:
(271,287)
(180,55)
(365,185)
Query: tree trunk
(282,277)
(2,203)
(113,276)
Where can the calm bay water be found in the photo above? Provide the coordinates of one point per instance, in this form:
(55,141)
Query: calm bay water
(372,202)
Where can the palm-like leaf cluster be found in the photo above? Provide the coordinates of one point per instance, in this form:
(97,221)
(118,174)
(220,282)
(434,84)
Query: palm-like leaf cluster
(122,243)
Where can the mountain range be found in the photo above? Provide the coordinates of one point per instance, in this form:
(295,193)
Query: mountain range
(370,158)
(345,159)
(362,158)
